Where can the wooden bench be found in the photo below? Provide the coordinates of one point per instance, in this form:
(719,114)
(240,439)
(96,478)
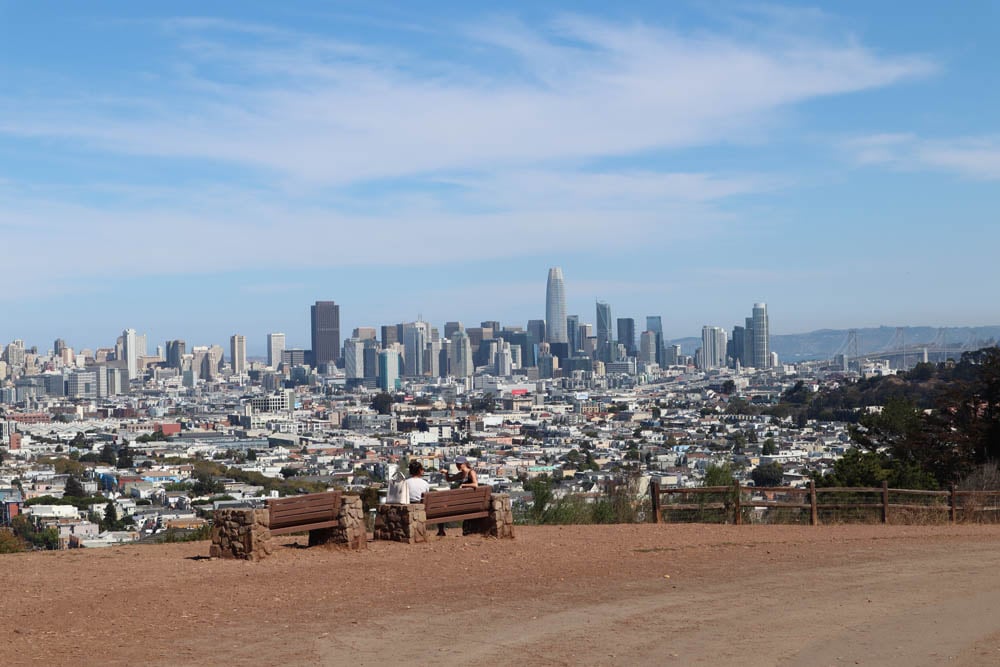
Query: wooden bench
(296,514)
(457,504)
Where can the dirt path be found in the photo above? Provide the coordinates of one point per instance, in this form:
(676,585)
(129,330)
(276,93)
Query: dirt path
(711,595)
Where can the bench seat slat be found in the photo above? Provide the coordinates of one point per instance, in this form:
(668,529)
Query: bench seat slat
(316,502)
(311,517)
(304,528)
(456,502)
(455,517)
(301,511)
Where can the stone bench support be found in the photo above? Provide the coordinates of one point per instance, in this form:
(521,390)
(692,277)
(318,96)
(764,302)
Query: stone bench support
(401,523)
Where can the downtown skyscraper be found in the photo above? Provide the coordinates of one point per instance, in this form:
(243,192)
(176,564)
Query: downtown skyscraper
(760,335)
(325,320)
(238,353)
(555,307)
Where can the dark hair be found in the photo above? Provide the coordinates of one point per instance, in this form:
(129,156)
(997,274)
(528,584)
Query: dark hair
(416,467)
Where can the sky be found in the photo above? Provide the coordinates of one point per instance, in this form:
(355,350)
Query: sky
(195,170)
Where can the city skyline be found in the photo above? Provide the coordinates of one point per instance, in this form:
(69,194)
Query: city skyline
(682,158)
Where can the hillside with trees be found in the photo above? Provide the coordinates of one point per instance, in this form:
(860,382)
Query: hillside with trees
(927,428)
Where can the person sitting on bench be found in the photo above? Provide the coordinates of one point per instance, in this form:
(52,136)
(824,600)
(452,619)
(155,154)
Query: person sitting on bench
(466,477)
(415,483)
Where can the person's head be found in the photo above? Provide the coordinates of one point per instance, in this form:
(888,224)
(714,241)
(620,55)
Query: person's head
(416,468)
(461,462)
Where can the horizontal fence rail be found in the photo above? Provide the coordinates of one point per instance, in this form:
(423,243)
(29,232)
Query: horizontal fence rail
(733,503)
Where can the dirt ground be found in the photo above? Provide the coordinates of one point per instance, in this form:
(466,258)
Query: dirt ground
(591,595)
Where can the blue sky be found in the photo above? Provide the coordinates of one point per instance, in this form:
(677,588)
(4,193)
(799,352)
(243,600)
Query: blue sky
(194,170)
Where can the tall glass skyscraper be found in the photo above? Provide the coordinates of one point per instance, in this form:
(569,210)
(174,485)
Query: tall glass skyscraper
(555,307)
(761,337)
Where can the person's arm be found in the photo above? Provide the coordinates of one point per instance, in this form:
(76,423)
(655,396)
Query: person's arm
(473,479)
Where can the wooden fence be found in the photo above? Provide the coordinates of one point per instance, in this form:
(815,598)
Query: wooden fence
(808,499)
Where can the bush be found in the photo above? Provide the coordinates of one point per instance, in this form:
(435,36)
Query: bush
(9,542)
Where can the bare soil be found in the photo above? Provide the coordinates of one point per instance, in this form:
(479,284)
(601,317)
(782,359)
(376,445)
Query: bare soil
(594,595)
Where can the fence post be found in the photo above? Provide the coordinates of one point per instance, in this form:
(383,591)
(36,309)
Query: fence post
(885,502)
(952,503)
(737,508)
(813,510)
(654,489)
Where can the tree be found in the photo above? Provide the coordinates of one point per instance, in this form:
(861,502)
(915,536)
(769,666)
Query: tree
(110,521)
(288,472)
(79,440)
(728,387)
(382,403)
(251,455)
(719,475)
(73,488)
(125,458)
(44,538)
(204,485)
(769,474)
(769,448)
(108,455)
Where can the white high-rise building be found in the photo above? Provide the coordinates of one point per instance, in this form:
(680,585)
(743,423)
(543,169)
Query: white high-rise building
(713,347)
(275,346)
(761,336)
(354,359)
(131,353)
(415,337)
(238,353)
(460,355)
(503,361)
(555,307)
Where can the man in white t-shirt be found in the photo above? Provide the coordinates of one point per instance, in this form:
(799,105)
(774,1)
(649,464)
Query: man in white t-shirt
(415,483)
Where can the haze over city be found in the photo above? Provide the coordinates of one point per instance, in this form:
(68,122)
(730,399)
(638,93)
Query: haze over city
(193,172)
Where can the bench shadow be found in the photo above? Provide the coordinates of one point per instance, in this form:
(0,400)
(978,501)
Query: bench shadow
(197,558)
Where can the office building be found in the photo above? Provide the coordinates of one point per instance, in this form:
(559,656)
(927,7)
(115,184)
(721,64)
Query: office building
(626,335)
(603,331)
(536,328)
(390,335)
(761,336)
(450,328)
(275,346)
(238,353)
(325,320)
(176,349)
(647,347)
(130,353)
(354,359)
(555,308)
(460,355)
(713,347)
(416,335)
(388,369)
(737,347)
(573,333)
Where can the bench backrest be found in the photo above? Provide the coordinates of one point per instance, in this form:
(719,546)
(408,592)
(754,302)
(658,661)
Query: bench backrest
(303,510)
(457,501)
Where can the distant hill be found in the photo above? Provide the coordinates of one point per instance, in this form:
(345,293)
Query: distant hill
(826,343)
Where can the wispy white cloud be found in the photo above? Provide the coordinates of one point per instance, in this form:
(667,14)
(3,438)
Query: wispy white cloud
(972,157)
(365,154)
(333,112)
